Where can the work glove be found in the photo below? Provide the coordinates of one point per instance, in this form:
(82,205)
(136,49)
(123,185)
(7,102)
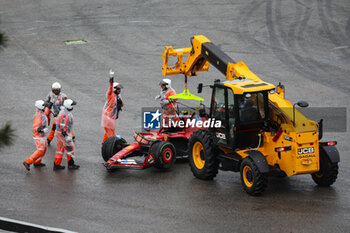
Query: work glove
(111,75)
(40,129)
(157,97)
(45,130)
(164,102)
(68,139)
(49,104)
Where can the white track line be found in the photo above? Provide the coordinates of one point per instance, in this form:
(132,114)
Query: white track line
(36,225)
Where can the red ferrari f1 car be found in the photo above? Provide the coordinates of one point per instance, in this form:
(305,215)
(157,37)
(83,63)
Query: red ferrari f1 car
(152,148)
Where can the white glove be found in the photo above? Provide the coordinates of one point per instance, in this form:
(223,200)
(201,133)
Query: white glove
(111,73)
(157,97)
(68,139)
(164,101)
(45,130)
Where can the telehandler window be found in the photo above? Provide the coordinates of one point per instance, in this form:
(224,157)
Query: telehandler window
(276,115)
(219,105)
(231,112)
(219,113)
(251,107)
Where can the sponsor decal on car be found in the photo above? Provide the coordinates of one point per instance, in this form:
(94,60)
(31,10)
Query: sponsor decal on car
(127,161)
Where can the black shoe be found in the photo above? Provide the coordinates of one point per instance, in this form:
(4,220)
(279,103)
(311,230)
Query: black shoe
(48,142)
(39,165)
(26,165)
(73,166)
(58,167)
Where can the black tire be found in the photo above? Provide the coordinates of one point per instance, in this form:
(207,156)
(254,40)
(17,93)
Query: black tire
(203,162)
(164,154)
(253,181)
(111,146)
(327,174)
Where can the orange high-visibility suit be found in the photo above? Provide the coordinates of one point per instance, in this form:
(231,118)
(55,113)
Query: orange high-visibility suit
(110,112)
(55,102)
(39,124)
(169,109)
(65,143)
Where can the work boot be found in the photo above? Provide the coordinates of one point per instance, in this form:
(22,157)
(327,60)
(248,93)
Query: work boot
(26,165)
(48,142)
(73,166)
(58,167)
(39,165)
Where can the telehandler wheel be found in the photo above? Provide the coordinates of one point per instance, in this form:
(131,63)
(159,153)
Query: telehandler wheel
(164,154)
(327,174)
(111,146)
(254,182)
(204,165)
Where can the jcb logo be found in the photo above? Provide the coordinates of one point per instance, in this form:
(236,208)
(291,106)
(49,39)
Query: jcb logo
(307,150)
(221,135)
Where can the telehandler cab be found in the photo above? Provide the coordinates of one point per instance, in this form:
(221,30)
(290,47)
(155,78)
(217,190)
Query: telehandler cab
(261,132)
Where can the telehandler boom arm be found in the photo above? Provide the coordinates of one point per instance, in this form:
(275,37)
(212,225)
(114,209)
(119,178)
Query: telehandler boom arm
(203,52)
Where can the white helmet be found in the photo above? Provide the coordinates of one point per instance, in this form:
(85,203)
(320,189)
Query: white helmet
(165,81)
(40,104)
(56,86)
(117,86)
(68,104)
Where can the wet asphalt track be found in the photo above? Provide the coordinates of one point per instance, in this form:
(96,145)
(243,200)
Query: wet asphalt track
(303,44)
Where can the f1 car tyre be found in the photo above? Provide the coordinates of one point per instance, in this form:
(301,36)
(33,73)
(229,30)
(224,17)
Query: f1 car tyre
(254,182)
(164,154)
(111,146)
(203,162)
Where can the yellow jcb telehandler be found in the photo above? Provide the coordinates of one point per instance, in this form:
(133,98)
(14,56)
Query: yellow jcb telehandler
(261,132)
